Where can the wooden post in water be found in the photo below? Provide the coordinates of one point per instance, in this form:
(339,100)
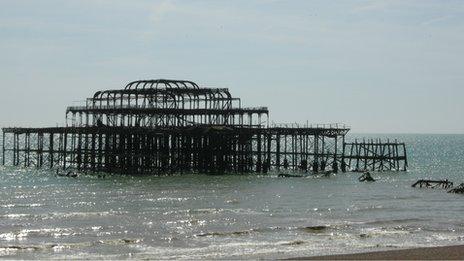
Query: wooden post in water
(259,163)
(65,148)
(405,157)
(268,160)
(100,151)
(3,149)
(79,151)
(39,150)
(397,166)
(50,148)
(92,152)
(343,154)
(335,163)
(278,151)
(366,154)
(26,150)
(86,152)
(323,162)
(14,149)
(316,156)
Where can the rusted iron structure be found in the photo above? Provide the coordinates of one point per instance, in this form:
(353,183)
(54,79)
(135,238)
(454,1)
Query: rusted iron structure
(427,183)
(458,190)
(445,183)
(376,155)
(173,126)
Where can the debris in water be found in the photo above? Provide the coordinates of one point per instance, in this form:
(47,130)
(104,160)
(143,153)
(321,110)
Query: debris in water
(433,183)
(459,189)
(366,177)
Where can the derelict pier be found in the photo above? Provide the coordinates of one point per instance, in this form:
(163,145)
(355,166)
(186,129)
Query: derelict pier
(171,126)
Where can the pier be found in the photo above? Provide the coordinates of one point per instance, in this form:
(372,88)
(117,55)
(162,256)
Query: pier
(377,155)
(172,126)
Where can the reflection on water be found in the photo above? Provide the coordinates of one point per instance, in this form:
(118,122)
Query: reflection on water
(241,216)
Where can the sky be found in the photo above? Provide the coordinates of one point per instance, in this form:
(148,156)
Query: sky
(391,66)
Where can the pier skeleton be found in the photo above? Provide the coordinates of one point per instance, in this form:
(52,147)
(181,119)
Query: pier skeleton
(376,155)
(172,126)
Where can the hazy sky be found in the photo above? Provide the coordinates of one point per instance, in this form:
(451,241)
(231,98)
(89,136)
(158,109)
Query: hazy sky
(378,66)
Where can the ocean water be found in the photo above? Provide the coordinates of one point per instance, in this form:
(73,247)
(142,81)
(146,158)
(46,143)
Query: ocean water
(233,216)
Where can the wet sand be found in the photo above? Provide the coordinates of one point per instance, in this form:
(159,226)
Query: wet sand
(427,253)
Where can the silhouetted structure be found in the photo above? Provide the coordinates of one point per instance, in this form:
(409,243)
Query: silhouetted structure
(427,183)
(376,155)
(458,190)
(166,126)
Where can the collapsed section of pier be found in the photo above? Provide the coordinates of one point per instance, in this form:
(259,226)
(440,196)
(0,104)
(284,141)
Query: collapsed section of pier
(172,126)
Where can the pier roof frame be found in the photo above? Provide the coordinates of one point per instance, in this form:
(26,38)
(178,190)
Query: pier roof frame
(153,84)
(172,91)
(179,90)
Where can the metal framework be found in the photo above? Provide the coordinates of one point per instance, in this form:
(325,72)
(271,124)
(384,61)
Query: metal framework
(376,155)
(170,126)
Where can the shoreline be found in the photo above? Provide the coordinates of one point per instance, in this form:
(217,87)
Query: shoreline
(455,252)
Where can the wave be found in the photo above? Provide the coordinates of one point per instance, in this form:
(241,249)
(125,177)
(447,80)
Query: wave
(369,208)
(194,211)
(394,221)
(309,229)
(237,249)
(294,243)
(27,248)
(20,205)
(205,211)
(54,247)
(189,222)
(120,241)
(17,216)
(168,199)
(315,229)
(375,232)
(21,234)
(61,215)
(233,233)
(232,201)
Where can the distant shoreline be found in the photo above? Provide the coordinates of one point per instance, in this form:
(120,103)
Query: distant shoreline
(425,253)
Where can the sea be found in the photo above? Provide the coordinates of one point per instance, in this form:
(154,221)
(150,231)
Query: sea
(199,216)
